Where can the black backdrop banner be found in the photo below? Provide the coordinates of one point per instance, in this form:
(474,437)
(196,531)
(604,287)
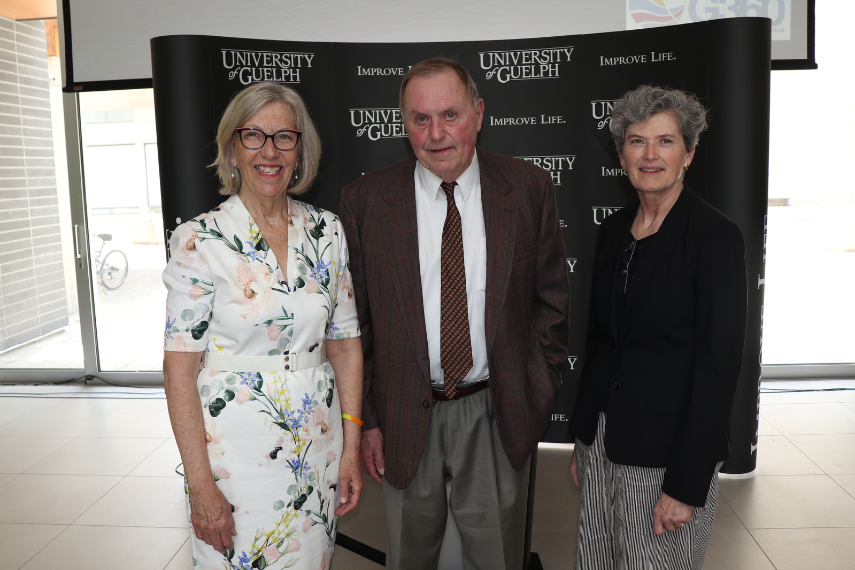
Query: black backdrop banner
(547,101)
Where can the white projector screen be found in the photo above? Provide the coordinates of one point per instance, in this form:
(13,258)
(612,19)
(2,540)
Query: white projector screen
(107,41)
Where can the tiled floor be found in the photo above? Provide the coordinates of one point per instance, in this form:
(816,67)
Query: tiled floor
(90,484)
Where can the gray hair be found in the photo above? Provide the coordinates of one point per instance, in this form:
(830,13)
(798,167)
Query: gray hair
(435,66)
(645,101)
(246,104)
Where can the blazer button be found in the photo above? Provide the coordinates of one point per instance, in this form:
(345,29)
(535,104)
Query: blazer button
(616,385)
(426,404)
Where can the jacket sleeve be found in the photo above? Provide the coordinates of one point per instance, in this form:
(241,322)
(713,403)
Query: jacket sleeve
(550,322)
(721,296)
(350,222)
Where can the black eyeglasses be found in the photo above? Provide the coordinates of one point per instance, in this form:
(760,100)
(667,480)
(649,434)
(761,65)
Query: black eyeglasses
(623,278)
(254,139)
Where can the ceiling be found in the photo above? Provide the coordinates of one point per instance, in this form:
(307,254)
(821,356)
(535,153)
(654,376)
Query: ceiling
(28,9)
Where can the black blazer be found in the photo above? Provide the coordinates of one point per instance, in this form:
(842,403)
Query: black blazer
(671,372)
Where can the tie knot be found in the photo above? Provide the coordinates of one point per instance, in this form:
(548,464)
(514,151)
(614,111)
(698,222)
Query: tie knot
(449,188)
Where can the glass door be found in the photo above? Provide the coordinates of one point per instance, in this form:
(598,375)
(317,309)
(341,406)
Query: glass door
(125,228)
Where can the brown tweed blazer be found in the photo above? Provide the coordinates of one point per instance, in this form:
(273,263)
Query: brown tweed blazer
(526,312)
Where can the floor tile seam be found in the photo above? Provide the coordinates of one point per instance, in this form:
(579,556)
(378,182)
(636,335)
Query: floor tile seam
(760,412)
(122,475)
(721,497)
(816,433)
(799,527)
(177,551)
(60,533)
(81,525)
(823,474)
(805,455)
(36,524)
(101,420)
(144,459)
(766,554)
(800,403)
(76,437)
(845,490)
(96,501)
(819,434)
(10,480)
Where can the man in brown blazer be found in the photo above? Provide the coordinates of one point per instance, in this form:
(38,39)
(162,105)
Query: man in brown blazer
(461,285)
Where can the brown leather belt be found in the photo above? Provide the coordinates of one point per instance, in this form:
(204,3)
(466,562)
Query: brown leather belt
(439,395)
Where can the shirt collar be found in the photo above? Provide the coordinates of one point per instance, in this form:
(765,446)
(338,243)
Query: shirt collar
(466,181)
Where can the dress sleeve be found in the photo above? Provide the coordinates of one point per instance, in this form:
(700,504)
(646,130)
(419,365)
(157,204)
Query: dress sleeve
(190,293)
(344,322)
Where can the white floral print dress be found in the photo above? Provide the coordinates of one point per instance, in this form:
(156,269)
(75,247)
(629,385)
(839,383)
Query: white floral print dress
(274,440)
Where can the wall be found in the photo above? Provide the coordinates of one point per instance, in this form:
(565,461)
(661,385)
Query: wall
(32,285)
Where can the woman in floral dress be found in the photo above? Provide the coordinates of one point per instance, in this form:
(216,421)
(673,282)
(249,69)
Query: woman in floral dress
(262,357)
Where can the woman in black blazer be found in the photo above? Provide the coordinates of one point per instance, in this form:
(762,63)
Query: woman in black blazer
(664,350)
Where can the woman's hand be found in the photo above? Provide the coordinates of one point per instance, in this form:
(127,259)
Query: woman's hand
(669,514)
(212,519)
(350,482)
(574,471)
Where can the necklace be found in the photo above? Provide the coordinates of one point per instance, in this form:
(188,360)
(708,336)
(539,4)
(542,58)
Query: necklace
(653,230)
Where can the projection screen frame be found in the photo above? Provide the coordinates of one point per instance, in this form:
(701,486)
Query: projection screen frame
(72,86)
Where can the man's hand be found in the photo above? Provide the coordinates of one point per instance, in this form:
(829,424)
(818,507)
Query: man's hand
(574,469)
(212,517)
(669,514)
(372,454)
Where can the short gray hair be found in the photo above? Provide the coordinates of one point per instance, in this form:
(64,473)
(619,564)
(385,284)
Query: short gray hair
(435,66)
(246,104)
(645,101)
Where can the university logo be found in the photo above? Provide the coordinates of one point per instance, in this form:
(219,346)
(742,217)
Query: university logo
(554,164)
(654,13)
(249,66)
(603,212)
(378,123)
(602,112)
(525,64)
(571,361)
(571,264)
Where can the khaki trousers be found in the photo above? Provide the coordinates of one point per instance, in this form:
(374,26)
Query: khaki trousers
(487,501)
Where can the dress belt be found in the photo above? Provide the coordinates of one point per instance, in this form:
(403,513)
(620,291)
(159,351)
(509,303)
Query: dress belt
(438,392)
(279,363)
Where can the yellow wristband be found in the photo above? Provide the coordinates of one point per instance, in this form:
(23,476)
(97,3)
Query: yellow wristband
(355,420)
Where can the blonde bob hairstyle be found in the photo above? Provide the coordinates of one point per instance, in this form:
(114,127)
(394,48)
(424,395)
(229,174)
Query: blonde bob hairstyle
(241,109)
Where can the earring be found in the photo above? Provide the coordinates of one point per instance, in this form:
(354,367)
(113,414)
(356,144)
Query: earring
(296,172)
(686,168)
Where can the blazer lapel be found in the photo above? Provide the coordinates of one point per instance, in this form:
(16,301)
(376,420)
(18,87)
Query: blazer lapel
(669,234)
(500,226)
(401,241)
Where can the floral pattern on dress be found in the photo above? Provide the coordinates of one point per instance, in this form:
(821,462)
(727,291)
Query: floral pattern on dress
(274,440)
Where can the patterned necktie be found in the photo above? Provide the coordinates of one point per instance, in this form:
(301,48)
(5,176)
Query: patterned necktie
(455,346)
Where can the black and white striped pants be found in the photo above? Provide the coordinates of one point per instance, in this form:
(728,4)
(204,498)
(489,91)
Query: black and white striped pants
(616,516)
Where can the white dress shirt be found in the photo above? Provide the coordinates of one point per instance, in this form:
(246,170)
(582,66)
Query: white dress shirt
(431,209)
